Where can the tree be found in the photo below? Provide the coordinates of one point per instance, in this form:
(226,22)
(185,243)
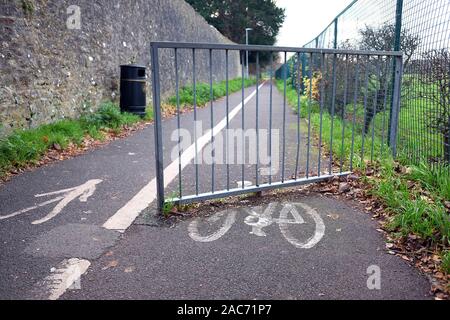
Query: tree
(383,39)
(436,75)
(231,17)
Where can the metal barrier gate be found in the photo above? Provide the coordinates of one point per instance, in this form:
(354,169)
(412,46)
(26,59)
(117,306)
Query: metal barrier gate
(345,114)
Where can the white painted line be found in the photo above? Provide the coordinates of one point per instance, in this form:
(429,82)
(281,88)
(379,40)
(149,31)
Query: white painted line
(125,216)
(66,275)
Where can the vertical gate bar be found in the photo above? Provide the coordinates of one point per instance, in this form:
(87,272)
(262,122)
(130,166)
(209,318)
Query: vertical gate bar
(158,128)
(341,165)
(284,117)
(195,121)
(366,93)
(375,107)
(270,117)
(298,116)
(396,104)
(385,94)
(302,81)
(243,127)
(257,118)
(355,102)
(322,102)
(177,89)
(310,75)
(333,108)
(211,97)
(227,143)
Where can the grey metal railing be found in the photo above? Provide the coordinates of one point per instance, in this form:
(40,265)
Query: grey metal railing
(350,83)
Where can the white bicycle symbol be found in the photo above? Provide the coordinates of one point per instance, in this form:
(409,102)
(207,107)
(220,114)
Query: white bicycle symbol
(259,221)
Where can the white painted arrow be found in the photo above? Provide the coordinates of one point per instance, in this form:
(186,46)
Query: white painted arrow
(66,196)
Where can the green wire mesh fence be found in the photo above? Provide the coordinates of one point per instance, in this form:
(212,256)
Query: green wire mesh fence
(421,29)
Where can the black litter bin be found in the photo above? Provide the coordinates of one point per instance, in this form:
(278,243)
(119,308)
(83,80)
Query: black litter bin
(133,89)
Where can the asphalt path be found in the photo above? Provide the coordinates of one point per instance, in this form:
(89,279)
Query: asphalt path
(57,213)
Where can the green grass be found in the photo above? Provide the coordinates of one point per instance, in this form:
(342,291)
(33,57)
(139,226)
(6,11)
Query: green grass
(416,136)
(24,147)
(434,180)
(412,213)
(446,261)
(203,91)
(340,150)
(169,204)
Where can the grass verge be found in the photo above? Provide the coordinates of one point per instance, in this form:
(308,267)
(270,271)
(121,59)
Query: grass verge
(416,198)
(26,147)
(203,92)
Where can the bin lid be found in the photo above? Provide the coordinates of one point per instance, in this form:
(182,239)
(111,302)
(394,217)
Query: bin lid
(132,66)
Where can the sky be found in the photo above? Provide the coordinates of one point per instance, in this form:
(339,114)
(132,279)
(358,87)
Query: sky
(305,19)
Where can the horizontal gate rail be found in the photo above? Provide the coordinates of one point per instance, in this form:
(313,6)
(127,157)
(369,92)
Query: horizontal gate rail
(255,189)
(218,46)
(346,109)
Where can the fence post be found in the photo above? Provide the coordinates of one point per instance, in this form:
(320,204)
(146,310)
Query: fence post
(158,127)
(395,110)
(335,44)
(397,47)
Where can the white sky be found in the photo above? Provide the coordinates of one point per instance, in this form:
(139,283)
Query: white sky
(305,19)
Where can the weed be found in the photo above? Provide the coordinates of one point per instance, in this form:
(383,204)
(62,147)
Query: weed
(27,7)
(169,204)
(434,179)
(446,261)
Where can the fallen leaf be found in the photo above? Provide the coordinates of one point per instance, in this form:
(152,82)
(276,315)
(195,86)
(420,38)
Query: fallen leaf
(406,258)
(333,216)
(111,264)
(436,258)
(129,269)
(389,245)
(344,187)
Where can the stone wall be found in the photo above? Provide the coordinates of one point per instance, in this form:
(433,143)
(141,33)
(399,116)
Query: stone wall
(49,71)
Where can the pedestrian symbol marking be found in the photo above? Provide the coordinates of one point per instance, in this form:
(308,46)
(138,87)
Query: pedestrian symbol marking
(65,196)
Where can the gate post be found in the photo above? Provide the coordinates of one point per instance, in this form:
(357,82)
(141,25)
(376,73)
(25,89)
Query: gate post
(396,47)
(395,110)
(335,43)
(158,127)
